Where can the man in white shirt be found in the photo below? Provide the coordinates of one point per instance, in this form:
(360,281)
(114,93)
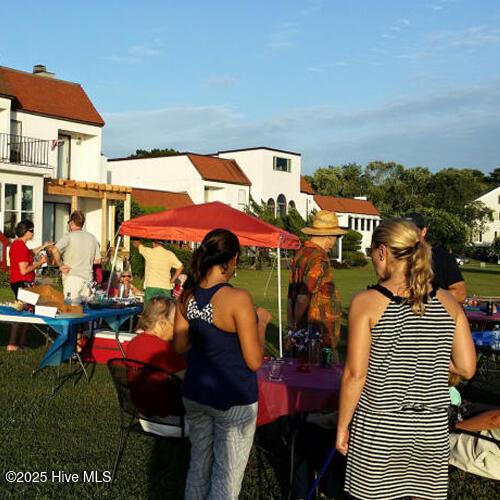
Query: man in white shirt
(75,254)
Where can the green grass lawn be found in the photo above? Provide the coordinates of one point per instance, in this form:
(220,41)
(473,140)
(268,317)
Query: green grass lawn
(76,430)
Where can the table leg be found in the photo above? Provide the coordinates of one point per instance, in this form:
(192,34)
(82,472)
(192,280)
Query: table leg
(117,337)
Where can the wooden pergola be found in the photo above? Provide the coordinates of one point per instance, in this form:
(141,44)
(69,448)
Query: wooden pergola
(109,194)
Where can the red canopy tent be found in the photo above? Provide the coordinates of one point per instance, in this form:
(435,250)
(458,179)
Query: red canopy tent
(193,222)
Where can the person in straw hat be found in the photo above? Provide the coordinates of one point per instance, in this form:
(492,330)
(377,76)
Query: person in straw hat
(313,299)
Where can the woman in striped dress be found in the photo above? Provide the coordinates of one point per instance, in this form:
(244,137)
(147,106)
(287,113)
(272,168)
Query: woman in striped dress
(404,337)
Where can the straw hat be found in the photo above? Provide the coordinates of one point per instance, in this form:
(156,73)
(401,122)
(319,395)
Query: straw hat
(325,223)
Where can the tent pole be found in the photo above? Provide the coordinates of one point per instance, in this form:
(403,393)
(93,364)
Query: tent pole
(280,326)
(113,265)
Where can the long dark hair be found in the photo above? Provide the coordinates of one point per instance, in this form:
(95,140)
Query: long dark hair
(217,248)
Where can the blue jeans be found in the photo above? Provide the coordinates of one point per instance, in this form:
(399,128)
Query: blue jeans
(220,446)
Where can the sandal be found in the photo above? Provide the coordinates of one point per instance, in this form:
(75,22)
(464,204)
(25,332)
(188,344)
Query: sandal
(13,348)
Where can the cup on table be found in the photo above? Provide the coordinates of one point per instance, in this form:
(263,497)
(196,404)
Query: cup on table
(275,367)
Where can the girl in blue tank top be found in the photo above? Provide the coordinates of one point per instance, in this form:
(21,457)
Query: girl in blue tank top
(222,334)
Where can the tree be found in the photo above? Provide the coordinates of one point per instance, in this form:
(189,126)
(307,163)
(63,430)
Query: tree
(494,178)
(294,223)
(153,153)
(351,242)
(494,250)
(445,229)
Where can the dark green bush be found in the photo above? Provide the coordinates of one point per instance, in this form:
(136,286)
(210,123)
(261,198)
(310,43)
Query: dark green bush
(354,259)
(351,242)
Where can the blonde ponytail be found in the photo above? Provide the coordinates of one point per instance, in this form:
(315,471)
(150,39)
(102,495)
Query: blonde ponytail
(402,238)
(420,275)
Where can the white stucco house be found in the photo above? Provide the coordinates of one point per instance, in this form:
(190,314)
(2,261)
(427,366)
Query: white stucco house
(492,200)
(270,176)
(204,178)
(50,157)
(275,175)
(358,214)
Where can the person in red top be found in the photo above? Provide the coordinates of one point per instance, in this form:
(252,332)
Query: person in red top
(154,347)
(22,273)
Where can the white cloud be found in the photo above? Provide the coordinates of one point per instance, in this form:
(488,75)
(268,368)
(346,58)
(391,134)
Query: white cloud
(123,59)
(284,36)
(459,128)
(146,49)
(221,81)
(137,53)
(473,37)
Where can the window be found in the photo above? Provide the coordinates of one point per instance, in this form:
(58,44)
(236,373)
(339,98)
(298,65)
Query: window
(368,224)
(18,205)
(291,205)
(350,222)
(63,156)
(282,164)
(362,224)
(241,199)
(272,206)
(281,205)
(16,131)
(355,223)
(55,218)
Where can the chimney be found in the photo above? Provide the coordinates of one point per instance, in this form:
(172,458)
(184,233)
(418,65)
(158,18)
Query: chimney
(41,70)
(364,198)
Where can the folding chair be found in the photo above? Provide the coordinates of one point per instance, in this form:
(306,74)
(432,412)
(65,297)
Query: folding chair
(137,385)
(483,391)
(484,387)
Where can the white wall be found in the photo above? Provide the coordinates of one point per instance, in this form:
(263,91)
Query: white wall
(175,173)
(492,201)
(266,182)
(24,179)
(5,115)
(85,143)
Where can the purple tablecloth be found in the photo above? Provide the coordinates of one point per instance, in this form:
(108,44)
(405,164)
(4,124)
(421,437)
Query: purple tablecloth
(297,392)
(481,316)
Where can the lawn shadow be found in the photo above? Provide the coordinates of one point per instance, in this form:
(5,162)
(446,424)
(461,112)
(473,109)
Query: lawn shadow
(168,467)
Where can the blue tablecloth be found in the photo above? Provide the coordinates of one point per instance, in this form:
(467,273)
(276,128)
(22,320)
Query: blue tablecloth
(487,338)
(64,344)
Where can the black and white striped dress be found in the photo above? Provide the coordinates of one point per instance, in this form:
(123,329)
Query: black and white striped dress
(398,442)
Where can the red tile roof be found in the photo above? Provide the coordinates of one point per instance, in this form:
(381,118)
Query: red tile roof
(165,199)
(48,96)
(218,169)
(346,205)
(305,187)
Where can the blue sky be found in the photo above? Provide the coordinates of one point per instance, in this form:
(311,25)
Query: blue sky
(417,82)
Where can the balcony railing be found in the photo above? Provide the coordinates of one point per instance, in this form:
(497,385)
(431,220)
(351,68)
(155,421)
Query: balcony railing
(21,150)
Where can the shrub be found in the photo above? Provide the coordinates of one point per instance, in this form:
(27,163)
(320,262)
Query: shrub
(137,260)
(4,279)
(351,242)
(354,259)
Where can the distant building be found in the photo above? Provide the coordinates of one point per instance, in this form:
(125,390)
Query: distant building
(267,175)
(204,178)
(357,214)
(165,199)
(492,200)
